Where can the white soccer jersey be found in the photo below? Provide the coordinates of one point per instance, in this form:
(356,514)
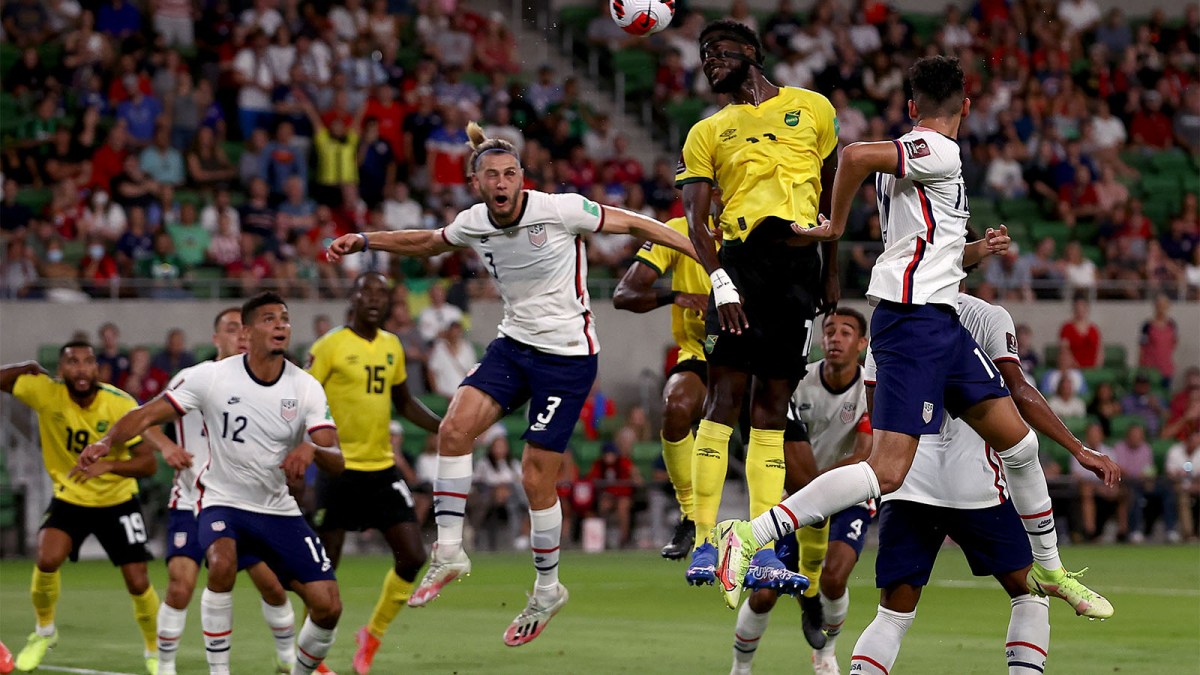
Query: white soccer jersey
(540,264)
(252,425)
(190,435)
(923,217)
(833,417)
(956,468)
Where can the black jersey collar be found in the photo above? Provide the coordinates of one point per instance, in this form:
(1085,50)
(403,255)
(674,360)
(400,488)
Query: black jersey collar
(524,207)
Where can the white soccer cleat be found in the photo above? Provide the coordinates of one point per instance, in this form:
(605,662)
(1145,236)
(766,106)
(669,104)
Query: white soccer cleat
(440,573)
(825,663)
(533,619)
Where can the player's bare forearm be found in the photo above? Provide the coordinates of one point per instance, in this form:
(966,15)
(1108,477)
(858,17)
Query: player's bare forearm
(10,373)
(411,243)
(328,455)
(994,242)
(636,292)
(858,161)
(173,453)
(131,424)
(1034,409)
(140,465)
(413,410)
(620,221)
(697,205)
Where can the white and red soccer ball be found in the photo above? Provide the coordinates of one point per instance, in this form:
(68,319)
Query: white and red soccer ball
(642,17)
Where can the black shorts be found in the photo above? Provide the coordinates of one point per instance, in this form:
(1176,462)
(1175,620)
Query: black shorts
(362,500)
(779,285)
(695,366)
(120,528)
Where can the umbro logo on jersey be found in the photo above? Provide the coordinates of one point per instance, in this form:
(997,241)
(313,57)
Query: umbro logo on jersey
(233,400)
(776,463)
(352,359)
(927,412)
(708,452)
(804,406)
(728,134)
(289,408)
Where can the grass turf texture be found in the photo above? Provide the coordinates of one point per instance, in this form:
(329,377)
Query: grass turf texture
(632,612)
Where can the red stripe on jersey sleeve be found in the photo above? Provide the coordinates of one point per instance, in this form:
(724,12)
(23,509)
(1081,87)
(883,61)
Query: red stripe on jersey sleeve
(174,404)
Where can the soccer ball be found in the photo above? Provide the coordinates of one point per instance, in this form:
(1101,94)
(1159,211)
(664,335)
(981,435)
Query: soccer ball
(642,17)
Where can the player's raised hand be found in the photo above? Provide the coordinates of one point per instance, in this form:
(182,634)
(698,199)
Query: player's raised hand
(175,456)
(824,231)
(344,245)
(297,461)
(997,240)
(93,453)
(692,301)
(1099,464)
(729,303)
(82,474)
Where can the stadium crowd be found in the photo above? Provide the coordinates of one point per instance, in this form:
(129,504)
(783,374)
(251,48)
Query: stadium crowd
(176,142)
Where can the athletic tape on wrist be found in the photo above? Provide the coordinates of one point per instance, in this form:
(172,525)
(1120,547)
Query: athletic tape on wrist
(724,292)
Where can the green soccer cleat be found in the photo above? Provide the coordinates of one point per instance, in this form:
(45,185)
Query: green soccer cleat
(1063,584)
(34,651)
(152,664)
(735,547)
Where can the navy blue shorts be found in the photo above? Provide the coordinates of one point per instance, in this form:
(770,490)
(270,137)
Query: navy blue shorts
(911,534)
(183,539)
(926,362)
(555,387)
(849,526)
(286,543)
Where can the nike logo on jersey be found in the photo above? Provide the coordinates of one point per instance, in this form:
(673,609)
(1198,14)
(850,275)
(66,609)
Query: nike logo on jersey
(233,400)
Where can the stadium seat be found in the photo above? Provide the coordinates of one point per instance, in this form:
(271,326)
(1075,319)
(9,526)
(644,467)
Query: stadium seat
(1115,356)
(586,452)
(1120,424)
(1020,211)
(204,351)
(1171,161)
(1161,446)
(435,402)
(681,115)
(1096,376)
(575,20)
(638,69)
(203,282)
(48,356)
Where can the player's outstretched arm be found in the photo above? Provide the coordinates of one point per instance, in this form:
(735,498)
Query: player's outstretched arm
(697,205)
(620,221)
(141,464)
(173,453)
(131,424)
(994,242)
(323,449)
(831,291)
(411,408)
(1037,413)
(411,243)
(858,161)
(10,373)
(636,292)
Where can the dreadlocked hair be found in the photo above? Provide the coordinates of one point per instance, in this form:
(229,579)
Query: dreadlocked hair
(728,29)
(481,145)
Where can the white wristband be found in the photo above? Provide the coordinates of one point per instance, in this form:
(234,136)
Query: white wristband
(724,291)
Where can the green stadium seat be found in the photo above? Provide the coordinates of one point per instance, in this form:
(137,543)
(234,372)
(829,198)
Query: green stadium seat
(204,351)
(1020,211)
(575,19)
(638,68)
(202,282)
(1120,424)
(646,452)
(34,198)
(1171,161)
(586,452)
(1093,253)
(1160,446)
(73,251)
(1095,376)
(1051,352)
(435,402)
(1076,425)
(683,114)
(1115,356)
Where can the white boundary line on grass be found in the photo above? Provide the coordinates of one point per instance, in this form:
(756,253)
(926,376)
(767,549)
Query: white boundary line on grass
(1130,590)
(82,671)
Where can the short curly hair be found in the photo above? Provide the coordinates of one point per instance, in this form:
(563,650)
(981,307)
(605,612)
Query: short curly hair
(938,85)
(728,29)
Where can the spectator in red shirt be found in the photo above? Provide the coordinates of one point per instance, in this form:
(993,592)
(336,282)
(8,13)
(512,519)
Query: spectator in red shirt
(97,268)
(1150,127)
(390,113)
(1159,338)
(672,81)
(1080,337)
(617,479)
(143,381)
(109,160)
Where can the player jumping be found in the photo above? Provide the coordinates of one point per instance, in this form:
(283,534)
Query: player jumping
(361,367)
(72,412)
(927,362)
(532,243)
(257,409)
(773,152)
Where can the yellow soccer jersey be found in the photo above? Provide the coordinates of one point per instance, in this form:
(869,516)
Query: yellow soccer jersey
(687,276)
(358,376)
(66,429)
(766,159)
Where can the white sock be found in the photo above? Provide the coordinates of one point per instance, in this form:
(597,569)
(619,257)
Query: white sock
(311,647)
(1031,497)
(750,628)
(835,611)
(450,489)
(45,631)
(282,622)
(171,622)
(216,617)
(545,535)
(876,650)
(826,495)
(1028,638)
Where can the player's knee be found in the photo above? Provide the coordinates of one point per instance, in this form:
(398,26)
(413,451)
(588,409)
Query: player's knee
(137,581)
(678,416)
(763,601)
(454,436)
(326,610)
(409,564)
(48,563)
(832,587)
(1023,454)
(179,592)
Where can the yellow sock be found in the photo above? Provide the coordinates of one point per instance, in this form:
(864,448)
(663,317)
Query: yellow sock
(765,470)
(44,592)
(393,596)
(677,455)
(145,612)
(814,542)
(710,463)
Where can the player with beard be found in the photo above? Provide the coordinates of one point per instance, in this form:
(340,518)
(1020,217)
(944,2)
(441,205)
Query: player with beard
(532,243)
(361,367)
(773,154)
(73,411)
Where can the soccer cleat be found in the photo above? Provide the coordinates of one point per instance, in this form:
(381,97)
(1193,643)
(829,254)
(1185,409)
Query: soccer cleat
(681,541)
(825,663)
(735,547)
(367,646)
(440,573)
(812,617)
(152,664)
(703,569)
(283,667)
(1063,584)
(34,651)
(6,660)
(767,571)
(324,669)
(533,619)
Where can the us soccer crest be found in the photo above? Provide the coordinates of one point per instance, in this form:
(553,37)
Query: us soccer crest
(847,412)
(288,408)
(180,539)
(537,235)
(927,412)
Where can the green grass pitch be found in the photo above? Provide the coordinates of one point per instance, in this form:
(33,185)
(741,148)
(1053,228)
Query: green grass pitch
(632,613)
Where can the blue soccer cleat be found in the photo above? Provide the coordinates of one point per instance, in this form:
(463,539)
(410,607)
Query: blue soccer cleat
(766,571)
(703,569)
